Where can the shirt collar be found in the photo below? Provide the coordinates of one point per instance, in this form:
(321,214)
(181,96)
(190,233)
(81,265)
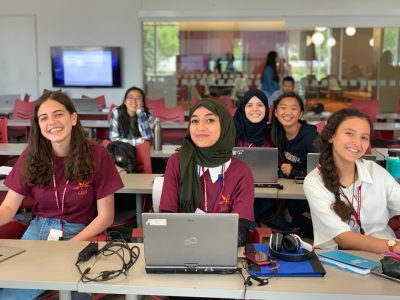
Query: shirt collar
(214,172)
(362,171)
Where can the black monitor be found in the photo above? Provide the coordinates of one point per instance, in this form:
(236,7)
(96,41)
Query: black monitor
(86,66)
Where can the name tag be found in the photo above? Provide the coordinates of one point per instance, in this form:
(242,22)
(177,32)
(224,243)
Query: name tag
(54,235)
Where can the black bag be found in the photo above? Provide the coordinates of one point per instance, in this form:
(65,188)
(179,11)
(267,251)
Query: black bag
(123,155)
(318,108)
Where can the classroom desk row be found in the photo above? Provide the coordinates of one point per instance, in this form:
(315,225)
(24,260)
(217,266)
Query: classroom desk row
(142,184)
(167,150)
(17,148)
(51,265)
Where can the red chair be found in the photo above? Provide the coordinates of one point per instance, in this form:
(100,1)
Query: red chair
(394,223)
(232,111)
(195,100)
(13,230)
(227,100)
(21,111)
(3,130)
(320,126)
(26,97)
(174,114)
(100,100)
(153,104)
(372,109)
(112,106)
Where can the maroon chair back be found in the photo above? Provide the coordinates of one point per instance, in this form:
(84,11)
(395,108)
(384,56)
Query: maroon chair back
(174,114)
(3,130)
(153,104)
(23,110)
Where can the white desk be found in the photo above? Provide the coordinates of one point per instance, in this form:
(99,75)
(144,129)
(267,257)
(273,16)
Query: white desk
(12,148)
(46,265)
(388,116)
(386,126)
(336,284)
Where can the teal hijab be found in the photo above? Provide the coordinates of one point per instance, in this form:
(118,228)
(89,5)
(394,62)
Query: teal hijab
(190,155)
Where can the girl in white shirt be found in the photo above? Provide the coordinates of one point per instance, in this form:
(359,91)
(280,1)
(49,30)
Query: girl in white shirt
(351,199)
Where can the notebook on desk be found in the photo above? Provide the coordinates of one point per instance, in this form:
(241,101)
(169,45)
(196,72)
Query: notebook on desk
(6,252)
(263,163)
(86,105)
(190,243)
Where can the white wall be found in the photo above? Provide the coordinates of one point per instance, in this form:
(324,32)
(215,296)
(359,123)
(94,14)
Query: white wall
(117,23)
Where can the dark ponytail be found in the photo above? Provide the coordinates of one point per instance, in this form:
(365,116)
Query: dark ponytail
(328,169)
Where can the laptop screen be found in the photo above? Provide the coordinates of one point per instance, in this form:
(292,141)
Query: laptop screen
(313,160)
(263,162)
(175,241)
(86,104)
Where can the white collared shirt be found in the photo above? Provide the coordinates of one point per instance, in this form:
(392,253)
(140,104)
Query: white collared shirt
(380,200)
(214,172)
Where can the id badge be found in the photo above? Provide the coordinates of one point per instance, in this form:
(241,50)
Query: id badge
(54,235)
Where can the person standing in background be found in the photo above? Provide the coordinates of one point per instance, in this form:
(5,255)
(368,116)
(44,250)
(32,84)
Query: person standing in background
(130,122)
(270,76)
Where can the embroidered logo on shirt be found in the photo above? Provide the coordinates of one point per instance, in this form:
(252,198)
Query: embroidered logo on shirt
(224,203)
(82,188)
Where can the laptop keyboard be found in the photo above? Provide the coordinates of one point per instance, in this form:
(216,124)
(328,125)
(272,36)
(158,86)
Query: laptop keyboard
(269,185)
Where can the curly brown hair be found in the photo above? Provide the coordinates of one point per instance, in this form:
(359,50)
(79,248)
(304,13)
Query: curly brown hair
(79,163)
(328,168)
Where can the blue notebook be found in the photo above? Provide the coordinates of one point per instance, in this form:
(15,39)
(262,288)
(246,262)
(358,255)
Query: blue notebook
(349,260)
(308,268)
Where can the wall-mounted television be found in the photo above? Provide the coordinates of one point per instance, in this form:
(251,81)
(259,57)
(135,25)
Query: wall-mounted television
(86,66)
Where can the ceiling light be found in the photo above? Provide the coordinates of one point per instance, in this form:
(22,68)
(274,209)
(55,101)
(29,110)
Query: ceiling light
(317,38)
(371,42)
(350,31)
(331,42)
(308,40)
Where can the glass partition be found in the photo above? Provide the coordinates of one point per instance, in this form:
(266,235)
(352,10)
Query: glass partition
(184,60)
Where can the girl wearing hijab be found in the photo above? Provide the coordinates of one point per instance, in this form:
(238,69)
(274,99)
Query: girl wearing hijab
(204,176)
(251,119)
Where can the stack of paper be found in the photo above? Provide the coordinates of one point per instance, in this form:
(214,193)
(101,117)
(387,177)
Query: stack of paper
(348,262)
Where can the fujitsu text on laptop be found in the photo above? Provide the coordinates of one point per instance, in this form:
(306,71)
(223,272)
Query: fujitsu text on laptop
(190,243)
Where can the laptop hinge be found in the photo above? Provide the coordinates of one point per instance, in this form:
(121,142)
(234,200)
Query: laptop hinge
(191,265)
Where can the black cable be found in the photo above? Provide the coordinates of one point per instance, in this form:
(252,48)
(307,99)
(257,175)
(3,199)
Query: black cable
(120,248)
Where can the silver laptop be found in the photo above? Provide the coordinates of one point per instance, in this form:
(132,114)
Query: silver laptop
(313,160)
(7,252)
(7,103)
(85,104)
(263,163)
(190,243)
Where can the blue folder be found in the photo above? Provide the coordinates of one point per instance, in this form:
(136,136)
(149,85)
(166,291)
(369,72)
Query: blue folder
(308,268)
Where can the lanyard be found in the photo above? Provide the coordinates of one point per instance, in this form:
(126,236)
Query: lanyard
(355,213)
(60,211)
(213,208)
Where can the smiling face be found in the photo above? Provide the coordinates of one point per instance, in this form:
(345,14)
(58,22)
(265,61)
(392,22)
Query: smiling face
(56,122)
(255,110)
(204,128)
(133,102)
(288,112)
(351,140)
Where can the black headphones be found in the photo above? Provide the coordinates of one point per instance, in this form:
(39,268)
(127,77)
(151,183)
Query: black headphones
(293,244)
